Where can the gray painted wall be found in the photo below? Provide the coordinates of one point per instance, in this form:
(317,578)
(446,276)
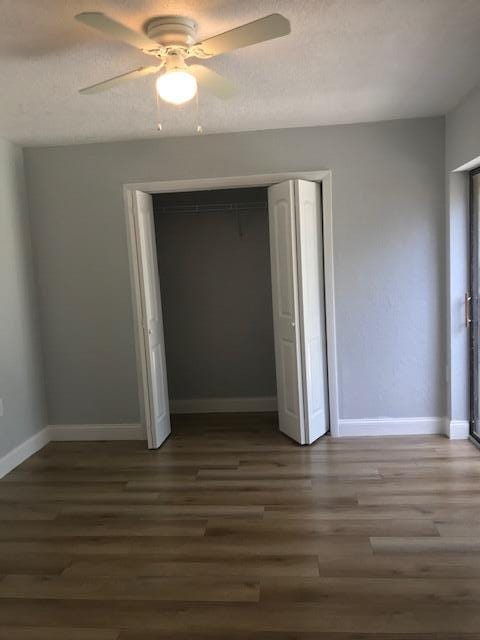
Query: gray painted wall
(389,244)
(216,297)
(21,385)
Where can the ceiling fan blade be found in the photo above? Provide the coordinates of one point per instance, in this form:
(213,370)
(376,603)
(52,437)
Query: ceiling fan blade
(124,77)
(115,29)
(267,28)
(212,81)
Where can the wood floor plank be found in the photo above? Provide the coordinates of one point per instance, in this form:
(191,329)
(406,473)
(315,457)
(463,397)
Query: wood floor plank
(350,512)
(142,461)
(402,565)
(439,545)
(27,511)
(331,527)
(245,567)
(147,634)
(59,633)
(47,494)
(184,589)
(60,476)
(428,499)
(173,617)
(225,547)
(93,526)
(143,512)
(263,471)
(410,486)
(383,593)
(223,484)
(34,563)
(459,529)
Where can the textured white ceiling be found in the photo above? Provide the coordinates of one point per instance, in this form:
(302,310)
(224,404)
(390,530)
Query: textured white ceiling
(345,61)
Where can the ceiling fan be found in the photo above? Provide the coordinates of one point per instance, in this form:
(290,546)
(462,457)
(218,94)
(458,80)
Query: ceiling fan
(172,40)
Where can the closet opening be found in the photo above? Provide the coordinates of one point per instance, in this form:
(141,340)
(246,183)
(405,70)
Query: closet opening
(213,260)
(240,272)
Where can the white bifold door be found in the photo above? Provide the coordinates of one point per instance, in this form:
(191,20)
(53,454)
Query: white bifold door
(296,252)
(155,390)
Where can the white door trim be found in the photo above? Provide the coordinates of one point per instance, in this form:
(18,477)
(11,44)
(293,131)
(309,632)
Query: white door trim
(229,182)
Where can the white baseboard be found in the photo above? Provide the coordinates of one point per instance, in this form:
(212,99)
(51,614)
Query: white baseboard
(223,405)
(391,427)
(16,456)
(457,429)
(72,432)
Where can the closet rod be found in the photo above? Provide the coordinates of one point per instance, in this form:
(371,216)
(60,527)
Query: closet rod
(217,207)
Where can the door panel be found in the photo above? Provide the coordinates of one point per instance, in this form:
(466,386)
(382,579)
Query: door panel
(281,206)
(284,260)
(312,307)
(289,382)
(158,412)
(315,365)
(296,251)
(160,400)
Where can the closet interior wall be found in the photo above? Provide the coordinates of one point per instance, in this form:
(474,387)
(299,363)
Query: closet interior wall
(214,267)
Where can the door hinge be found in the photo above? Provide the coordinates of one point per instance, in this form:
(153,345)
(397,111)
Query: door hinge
(468,309)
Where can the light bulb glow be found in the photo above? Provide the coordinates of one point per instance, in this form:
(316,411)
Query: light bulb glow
(176,86)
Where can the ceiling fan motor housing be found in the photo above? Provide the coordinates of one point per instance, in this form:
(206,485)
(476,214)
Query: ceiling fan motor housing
(170,31)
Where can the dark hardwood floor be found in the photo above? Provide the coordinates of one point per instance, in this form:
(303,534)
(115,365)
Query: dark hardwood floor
(231,531)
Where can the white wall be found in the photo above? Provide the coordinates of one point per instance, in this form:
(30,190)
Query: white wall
(389,246)
(21,384)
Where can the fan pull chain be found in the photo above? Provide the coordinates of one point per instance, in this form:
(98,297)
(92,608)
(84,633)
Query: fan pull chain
(158,112)
(199,126)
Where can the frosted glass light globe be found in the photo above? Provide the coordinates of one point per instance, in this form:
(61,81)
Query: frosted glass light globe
(176,86)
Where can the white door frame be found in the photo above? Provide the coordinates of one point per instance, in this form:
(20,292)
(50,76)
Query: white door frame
(229,182)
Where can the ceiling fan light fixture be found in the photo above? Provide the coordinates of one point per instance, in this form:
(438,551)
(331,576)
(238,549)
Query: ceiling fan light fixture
(176,86)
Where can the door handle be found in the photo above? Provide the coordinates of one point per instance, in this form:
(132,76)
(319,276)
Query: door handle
(468,317)
(293,324)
